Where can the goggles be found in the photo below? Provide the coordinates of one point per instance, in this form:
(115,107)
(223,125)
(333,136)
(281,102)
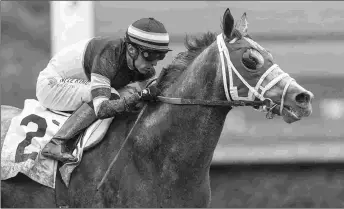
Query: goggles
(151,55)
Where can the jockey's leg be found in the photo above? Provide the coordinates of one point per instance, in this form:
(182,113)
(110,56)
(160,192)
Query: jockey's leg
(63,94)
(82,118)
(66,95)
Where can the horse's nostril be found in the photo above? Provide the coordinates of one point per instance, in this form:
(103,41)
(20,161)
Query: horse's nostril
(304,98)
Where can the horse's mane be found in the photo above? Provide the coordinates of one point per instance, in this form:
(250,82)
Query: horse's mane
(195,46)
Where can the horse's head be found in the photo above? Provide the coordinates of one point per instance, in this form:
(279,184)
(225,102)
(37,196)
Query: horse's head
(253,75)
(232,66)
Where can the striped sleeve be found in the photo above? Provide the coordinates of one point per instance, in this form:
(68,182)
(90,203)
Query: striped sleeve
(101,74)
(100,90)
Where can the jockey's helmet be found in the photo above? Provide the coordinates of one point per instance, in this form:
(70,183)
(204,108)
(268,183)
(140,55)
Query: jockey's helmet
(150,37)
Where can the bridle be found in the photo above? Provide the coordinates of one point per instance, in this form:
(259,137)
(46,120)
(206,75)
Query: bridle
(253,91)
(265,104)
(231,92)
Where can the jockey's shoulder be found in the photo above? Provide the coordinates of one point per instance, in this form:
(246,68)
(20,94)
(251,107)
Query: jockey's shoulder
(107,44)
(108,41)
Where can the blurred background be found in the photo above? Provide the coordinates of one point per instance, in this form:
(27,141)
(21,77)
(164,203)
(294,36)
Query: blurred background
(258,162)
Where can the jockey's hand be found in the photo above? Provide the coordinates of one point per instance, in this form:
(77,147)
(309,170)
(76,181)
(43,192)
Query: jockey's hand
(150,93)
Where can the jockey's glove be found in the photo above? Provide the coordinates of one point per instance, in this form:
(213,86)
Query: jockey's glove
(150,93)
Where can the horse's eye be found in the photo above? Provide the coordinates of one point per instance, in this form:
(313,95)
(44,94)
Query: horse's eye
(252,59)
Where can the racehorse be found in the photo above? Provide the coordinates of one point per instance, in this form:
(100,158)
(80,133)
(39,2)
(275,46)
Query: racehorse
(163,155)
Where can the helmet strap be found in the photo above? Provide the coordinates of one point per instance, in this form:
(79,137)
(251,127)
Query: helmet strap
(134,64)
(133,56)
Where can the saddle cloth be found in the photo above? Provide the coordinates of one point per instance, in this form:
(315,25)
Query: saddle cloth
(29,132)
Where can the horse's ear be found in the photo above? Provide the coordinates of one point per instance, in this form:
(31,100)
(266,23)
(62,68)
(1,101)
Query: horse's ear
(227,23)
(242,25)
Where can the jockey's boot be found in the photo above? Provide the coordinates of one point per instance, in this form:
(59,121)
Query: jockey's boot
(82,118)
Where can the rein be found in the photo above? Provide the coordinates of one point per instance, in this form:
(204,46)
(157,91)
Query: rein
(182,101)
(266,105)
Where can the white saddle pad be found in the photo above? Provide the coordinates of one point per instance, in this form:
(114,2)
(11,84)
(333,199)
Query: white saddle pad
(29,132)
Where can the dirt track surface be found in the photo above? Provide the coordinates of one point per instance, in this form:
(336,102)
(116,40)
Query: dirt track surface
(300,186)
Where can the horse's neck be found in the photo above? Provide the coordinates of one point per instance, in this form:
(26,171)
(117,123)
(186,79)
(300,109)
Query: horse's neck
(183,132)
(171,146)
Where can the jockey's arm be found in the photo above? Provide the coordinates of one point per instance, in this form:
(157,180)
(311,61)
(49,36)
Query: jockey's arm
(101,74)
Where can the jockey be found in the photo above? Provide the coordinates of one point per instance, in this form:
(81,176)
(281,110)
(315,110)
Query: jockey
(84,77)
